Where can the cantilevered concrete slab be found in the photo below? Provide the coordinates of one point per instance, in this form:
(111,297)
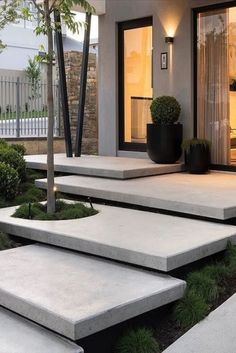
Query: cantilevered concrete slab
(107,167)
(142,238)
(78,295)
(215,334)
(212,195)
(18,335)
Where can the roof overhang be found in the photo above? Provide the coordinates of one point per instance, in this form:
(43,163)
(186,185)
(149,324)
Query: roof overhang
(99,5)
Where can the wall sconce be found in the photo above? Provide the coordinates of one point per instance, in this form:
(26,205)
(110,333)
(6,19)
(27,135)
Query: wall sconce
(169,40)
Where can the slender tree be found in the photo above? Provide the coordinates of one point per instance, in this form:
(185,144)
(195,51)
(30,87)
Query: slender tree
(46,25)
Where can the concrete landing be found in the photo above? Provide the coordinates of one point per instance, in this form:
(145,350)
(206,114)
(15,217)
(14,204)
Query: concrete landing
(107,167)
(142,238)
(215,334)
(18,335)
(78,295)
(212,195)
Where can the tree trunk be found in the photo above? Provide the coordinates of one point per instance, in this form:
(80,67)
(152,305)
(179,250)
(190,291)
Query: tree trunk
(50,152)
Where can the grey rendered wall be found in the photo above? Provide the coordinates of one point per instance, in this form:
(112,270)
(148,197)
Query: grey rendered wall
(177,81)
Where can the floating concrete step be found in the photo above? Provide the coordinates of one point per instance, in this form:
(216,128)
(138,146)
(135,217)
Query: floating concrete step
(107,167)
(212,195)
(142,238)
(215,334)
(78,295)
(18,335)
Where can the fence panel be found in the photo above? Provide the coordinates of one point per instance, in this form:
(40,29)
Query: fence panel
(23,108)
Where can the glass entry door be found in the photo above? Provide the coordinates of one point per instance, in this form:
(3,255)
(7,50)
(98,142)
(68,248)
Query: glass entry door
(135,82)
(216,82)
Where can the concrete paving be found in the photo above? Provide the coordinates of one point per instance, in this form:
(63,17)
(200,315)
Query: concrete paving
(147,239)
(78,295)
(18,335)
(215,334)
(108,167)
(212,195)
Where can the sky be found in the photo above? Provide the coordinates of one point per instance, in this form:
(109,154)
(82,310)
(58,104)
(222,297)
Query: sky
(94,28)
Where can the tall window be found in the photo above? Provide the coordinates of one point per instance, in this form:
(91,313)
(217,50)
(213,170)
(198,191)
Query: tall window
(216,82)
(136,63)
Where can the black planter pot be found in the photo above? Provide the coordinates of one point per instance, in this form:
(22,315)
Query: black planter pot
(198,159)
(164,143)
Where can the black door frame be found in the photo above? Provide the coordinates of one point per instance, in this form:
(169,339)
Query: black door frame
(122,26)
(196,11)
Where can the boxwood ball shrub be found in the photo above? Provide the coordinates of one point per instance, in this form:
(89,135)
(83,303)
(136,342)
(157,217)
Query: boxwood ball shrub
(9,181)
(165,110)
(14,159)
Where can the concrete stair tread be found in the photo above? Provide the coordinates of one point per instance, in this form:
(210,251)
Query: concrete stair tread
(77,295)
(212,195)
(101,166)
(215,334)
(18,335)
(147,239)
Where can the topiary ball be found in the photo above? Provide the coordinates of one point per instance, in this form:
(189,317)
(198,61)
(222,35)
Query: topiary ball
(140,340)
(165,110)
(9,181)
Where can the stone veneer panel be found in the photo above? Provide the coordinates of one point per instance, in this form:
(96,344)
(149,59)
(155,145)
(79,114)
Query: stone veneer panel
(73,60)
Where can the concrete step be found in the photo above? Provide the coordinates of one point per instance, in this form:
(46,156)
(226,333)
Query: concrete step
(147,239)
(215,334)
(77,295)
(107,167)
(212,195)
(18,335)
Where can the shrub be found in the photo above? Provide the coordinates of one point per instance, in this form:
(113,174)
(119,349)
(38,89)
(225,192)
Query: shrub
(3,143)
(11,157)
(140,340)
(165,110)
(19,148)
(203,285)
(9,181)
(191,309)
(187,144)
(6,242)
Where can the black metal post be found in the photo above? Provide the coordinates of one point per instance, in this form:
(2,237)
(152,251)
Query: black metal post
(63,86)
(83,84)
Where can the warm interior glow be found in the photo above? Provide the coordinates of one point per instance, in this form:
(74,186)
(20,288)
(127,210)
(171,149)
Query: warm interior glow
(137,82)
(171,16)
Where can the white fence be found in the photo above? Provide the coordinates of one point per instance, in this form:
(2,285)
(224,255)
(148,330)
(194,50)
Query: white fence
(23,108)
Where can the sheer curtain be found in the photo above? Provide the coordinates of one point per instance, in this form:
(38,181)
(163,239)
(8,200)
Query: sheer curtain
(213,83)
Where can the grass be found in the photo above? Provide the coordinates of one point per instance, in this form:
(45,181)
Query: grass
(64,211)
(140,340)
(6,242)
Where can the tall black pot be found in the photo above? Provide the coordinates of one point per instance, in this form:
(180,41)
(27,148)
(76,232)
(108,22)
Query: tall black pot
(164,143)
(198,159)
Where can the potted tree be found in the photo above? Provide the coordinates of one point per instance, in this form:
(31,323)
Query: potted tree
(164,136)
(197,154)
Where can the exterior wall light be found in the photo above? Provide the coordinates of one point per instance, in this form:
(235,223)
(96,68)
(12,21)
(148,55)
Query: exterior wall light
(169,40)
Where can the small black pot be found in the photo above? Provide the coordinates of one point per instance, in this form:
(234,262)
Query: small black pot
(198,159)
(164,143)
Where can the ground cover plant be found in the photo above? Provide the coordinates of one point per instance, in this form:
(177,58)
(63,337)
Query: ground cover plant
(64,210)
(207,288)
(6,242)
